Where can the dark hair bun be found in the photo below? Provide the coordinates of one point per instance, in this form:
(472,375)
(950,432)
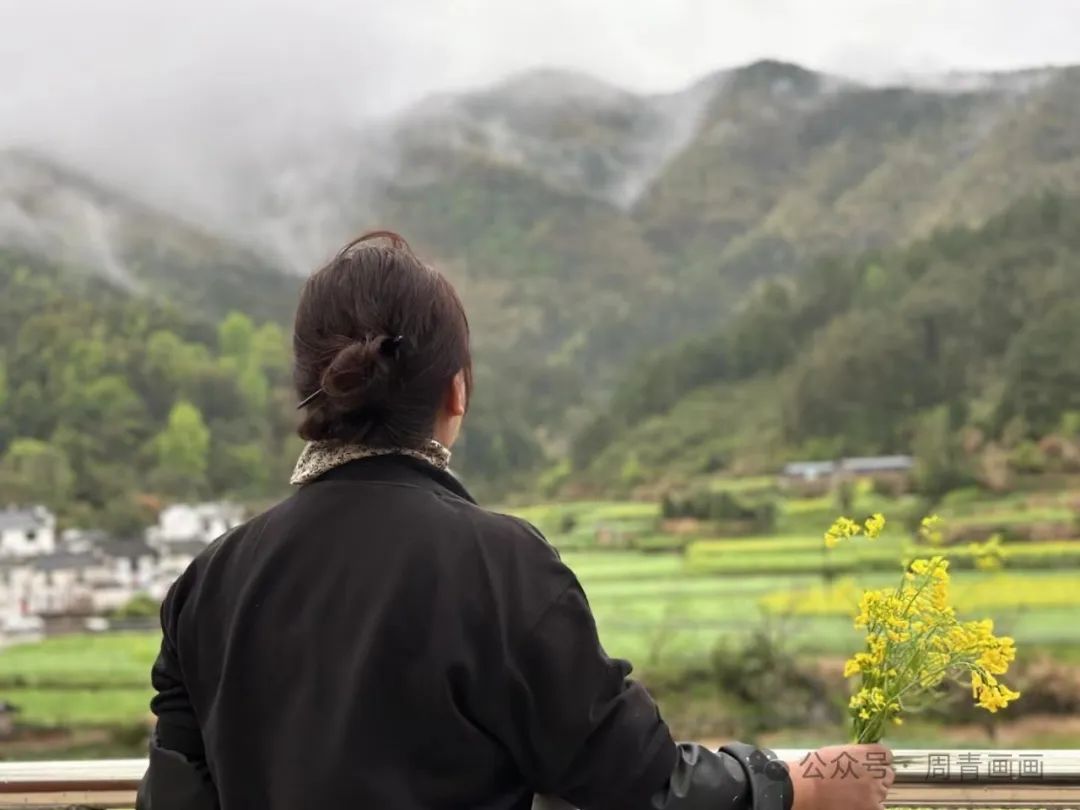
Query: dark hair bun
(360,378)
(378,337)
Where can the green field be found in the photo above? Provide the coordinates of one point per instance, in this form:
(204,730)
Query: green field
(649,608)
(113,660)
(644,601)
(85,680)
(661,610)
(674,608)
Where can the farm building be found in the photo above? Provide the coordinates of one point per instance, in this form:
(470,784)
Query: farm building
(27,531)
(819,476)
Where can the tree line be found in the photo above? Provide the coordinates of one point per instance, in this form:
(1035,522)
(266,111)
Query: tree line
(111,402)
(971,331)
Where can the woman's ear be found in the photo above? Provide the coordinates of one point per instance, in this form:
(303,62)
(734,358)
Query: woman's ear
(457,396)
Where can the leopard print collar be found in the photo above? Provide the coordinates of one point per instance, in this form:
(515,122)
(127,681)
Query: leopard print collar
(317,458)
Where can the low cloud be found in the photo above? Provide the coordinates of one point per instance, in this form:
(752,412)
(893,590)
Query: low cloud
(167,98)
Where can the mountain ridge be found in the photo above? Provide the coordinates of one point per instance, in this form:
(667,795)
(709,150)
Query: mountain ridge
(70,218)
(960,348)
(591,228)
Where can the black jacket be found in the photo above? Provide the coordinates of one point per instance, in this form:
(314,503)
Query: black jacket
(377,640)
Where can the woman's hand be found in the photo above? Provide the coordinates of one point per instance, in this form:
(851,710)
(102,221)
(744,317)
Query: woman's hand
(854,777)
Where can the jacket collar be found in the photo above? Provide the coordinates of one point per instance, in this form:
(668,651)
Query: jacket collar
(319,456)
(400,469)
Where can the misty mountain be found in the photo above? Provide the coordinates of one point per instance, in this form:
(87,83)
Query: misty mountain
(576,134)
(584,224)
(788,163)
(50,211)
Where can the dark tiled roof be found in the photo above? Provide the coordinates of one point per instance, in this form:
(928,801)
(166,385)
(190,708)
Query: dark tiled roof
(20,519)
(865,464)
(810,468)
(62,562)
(878,463)
(125,549)
(92,536)
(187,547)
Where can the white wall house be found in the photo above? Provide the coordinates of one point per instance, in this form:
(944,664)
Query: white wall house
(88,572)
(174,560)
(27,532)
(50,583)
(184,522)
(91,581)
(132,564)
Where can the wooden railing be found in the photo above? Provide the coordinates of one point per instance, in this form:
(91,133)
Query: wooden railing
(925,778)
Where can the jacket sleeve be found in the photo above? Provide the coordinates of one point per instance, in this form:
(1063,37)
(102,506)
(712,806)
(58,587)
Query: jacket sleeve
(579,729)
(173,782)
(177,777)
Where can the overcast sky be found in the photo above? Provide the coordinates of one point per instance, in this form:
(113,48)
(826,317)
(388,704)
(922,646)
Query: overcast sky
(82,75)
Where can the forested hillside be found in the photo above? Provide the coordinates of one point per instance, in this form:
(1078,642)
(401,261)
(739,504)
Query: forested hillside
(110,403)
(968,339)
(587,228)
(577,256)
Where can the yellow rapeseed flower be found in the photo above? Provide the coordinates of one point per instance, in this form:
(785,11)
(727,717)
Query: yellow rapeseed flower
(842,529)
(996,696)
(874,525)
(997,654)
(914,641)
(929,530)
(989,555)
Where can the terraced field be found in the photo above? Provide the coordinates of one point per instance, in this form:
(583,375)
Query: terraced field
(669,608)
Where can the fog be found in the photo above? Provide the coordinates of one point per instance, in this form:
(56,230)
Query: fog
(176,100)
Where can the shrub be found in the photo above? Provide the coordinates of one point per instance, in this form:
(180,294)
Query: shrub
(1048,687)
(758,514)
(567,522)
(772,689)
(964,496)
(888,487)
(845,495)
(1027,457)
(658,543)
(140,606)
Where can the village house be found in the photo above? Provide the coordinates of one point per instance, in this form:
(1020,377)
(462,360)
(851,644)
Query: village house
(132,563)
(86,573)
(27,531)
(877,465)
(48,583)
(204,522)
(90,574)
(812,477)
(132,569)
(809,471)
(80,540)
(174,558)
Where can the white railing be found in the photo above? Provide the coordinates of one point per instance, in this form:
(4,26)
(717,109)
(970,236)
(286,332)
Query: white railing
(925,778)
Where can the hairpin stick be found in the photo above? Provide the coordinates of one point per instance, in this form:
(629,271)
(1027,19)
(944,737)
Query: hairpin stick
(308,399)
(391,344)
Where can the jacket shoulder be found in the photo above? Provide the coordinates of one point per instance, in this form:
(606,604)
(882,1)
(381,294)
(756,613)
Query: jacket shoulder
(508,530)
